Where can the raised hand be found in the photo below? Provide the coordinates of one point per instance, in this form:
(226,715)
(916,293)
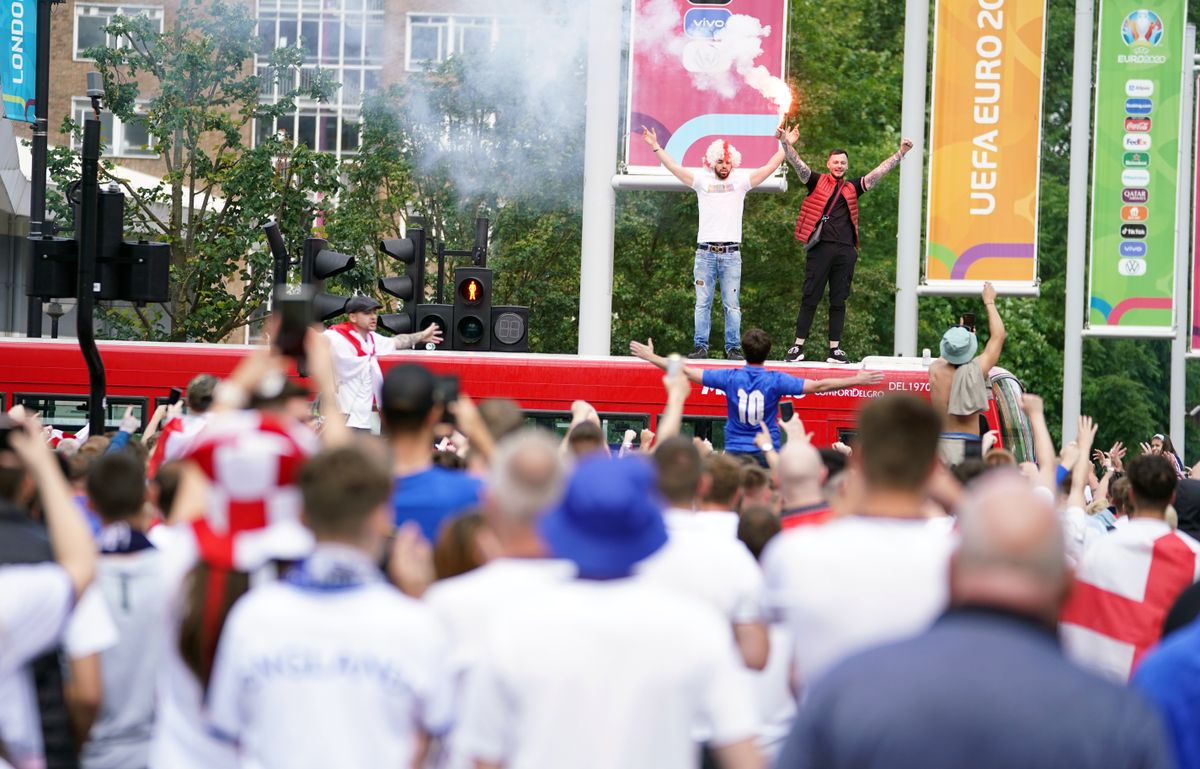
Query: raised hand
(1087,434)
(650,137)
(870,377)
(1031,404)
(905,146)
(989,293)
(432,333)
(643,351)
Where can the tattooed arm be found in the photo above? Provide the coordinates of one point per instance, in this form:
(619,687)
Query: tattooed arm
(787,139)
(870,179)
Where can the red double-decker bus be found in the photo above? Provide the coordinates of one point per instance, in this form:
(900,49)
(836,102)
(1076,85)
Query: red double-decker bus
(50,376)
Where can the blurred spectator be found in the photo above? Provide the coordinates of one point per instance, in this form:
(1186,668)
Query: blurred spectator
(1185,610)
(1161,444)
(1000,458)
(987,685)
(757,525)
(756,487)
(1128,579)
(1170,678)
(702,558)
(875,576)
(180,431)
(366,676)
(459,547)
(424,492)
(610,671)
(1187,505)
(586,438)
(801,477)
(721,491)
(502,416)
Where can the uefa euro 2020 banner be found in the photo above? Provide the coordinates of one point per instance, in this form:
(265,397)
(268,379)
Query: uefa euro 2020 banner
(702,71)
(1135,161)
(19,48)
(985,141)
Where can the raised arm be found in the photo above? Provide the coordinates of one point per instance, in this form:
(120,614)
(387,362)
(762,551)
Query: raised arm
(431,333)
(829,385)
(991,352)
(681,173)
(1043,444)
(786,140)
(759,175)
(893,160)
(646,353)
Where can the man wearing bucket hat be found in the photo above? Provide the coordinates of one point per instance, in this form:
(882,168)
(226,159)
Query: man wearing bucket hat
(958,382)
(609,669)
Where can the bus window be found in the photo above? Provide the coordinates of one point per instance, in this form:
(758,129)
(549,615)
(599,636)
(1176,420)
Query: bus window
(711,429)
(1014,425)
(69,412)
(614,425)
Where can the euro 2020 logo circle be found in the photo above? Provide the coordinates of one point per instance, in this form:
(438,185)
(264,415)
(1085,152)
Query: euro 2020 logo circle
(1142,27)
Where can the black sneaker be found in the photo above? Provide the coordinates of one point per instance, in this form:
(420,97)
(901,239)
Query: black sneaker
(698,353)
(734,353)
(795,354)
(837,355)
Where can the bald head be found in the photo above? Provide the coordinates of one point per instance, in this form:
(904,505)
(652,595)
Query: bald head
(801,474)
(1011,550)
(526,477)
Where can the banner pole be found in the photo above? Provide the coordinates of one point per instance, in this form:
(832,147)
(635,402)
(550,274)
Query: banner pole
(1182,331)
(1081,119)
(37,186)
(912,172)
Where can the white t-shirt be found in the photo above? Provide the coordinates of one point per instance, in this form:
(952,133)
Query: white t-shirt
(91,629)
(721,202)
(855,582)
(359,377)
(700,559)
(319,676)
(468,603)
(136,593)
(35,602)
(596,675)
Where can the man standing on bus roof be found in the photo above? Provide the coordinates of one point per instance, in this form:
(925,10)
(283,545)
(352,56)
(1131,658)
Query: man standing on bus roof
(721,194)
(958,381)
(752,392)
(356,349)
(827,225)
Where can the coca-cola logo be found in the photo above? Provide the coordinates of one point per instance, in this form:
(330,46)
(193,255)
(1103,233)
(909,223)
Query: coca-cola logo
(1137,124)
(1135,195)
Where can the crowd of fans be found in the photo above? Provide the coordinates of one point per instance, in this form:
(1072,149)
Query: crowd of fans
(265,586)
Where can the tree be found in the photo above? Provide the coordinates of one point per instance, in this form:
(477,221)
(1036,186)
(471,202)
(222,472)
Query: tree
(192,87)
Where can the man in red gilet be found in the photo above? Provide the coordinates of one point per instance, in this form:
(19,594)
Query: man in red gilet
(828,228)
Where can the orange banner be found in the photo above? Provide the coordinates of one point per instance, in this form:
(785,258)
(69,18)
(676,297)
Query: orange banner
(985,141)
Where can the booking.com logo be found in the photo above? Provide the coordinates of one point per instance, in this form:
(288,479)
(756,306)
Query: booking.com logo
(705,23)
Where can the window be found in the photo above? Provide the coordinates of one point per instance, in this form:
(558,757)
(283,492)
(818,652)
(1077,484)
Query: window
(613,425)
(90,20)
(433,39)
(69,413)
(324,129)
(123,140)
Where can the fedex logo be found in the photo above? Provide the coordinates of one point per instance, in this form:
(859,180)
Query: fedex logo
(705,23)
(1137,142)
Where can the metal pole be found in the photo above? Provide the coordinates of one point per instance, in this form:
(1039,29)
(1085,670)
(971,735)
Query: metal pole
(87,236)
(599,164)
(1081,120)
(1182,220)
(912,173)
(37,187)
(280,260)
(479,253)
(441,279)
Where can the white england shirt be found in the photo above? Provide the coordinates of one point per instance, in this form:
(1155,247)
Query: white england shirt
(603,674)
(357,373)
(720,203)
(322,674)
(855,582)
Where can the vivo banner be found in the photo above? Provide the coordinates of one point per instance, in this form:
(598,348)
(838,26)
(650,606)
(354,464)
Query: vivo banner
(698,72)
(1139,76)
(18,71)
(985,146)
(1194,337)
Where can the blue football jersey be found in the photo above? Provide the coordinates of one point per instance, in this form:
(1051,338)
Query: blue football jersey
(752,394)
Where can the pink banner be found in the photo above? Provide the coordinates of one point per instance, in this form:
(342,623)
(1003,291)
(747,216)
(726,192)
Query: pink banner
(1194,341)
(701,71)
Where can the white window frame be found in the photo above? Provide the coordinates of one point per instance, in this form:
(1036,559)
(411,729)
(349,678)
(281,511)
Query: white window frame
(450,28)
(80,104)
(108,10)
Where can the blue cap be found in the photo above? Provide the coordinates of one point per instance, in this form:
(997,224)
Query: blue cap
(959,345)
(609,519)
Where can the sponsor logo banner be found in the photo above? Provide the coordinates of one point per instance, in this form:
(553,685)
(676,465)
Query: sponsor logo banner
(693,72)
(985,138)
(18,71)
(1194,337)
(1139,59)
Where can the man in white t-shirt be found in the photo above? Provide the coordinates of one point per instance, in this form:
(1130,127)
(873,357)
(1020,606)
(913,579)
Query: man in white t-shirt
(333,666)
(607,670)
(877,575)
(527,477)
(356,349)
(721,195)
(701,559)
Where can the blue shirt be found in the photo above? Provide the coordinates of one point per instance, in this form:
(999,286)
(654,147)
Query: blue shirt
(753,394)
(431,496)
(1170,678)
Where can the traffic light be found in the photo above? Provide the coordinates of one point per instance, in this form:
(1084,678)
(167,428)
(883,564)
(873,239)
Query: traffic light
(473,308)
(408,287)
(51,267)
(318,264)
(443,316)
(510,328)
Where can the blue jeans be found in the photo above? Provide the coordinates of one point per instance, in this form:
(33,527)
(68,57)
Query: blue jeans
(727,268)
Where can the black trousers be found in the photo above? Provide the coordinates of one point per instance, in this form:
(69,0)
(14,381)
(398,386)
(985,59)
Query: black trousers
(833,264)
